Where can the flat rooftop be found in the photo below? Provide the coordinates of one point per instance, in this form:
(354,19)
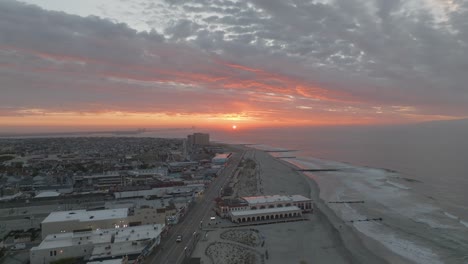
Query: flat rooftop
(287,209)
(84,215)
(102,236)
(253,200)
(222,156)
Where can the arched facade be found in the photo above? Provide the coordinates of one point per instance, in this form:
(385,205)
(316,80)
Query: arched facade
(262,208)
(265,214)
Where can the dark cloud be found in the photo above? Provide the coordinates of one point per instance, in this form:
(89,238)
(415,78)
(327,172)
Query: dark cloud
(405,54)
(31,28)
(182,29)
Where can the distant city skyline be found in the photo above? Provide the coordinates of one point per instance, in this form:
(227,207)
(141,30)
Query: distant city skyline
(101,64)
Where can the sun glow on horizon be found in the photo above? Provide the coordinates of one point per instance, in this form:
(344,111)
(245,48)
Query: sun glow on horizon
(40,119)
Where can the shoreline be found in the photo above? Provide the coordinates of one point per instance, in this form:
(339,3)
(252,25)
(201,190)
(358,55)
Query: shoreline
(357,244)
(334,233)
(355,249)
(413,229)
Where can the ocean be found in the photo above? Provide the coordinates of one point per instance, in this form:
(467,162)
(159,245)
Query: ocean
(435,154)
(415,177)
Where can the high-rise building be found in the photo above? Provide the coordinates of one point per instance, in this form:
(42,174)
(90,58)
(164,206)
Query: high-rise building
(200,139)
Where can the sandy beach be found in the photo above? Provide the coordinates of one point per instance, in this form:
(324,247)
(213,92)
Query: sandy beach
(321,238)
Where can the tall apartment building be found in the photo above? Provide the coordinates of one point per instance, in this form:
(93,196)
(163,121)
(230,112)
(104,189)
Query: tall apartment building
(200,139)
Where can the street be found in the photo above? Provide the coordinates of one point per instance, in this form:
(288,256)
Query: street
(172,252)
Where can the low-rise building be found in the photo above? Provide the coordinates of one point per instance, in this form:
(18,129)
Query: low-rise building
(120,178)
(79,220)
(95,245)
(181,166)
(224,206)
(180,190)
(275,201)
(256,208)
(220,159)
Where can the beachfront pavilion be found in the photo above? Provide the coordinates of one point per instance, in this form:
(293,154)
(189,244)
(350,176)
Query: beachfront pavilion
(278,201)
(225,206)
(265,214)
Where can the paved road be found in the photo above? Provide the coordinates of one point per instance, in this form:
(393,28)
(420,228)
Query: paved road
(172,252)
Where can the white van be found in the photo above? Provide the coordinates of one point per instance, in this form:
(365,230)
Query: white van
(18,246)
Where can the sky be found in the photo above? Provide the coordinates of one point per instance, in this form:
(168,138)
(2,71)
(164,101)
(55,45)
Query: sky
(217,63)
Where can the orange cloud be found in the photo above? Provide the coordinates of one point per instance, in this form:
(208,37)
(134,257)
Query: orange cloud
(262,98)
(215,74)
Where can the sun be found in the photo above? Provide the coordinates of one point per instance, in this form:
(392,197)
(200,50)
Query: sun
(234,127)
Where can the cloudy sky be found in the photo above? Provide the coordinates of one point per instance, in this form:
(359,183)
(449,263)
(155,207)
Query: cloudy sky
(148,63)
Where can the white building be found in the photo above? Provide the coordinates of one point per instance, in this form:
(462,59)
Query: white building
(221,159)
(98,244)
(275,201)
(256,208)
(82,220)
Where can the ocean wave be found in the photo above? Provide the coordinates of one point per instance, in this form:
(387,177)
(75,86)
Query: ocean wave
(401,186)
(464,223)
(412,223)
(451,215)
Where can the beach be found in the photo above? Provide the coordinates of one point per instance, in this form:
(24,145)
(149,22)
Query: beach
(414,227)
(361,215)
(321,238)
